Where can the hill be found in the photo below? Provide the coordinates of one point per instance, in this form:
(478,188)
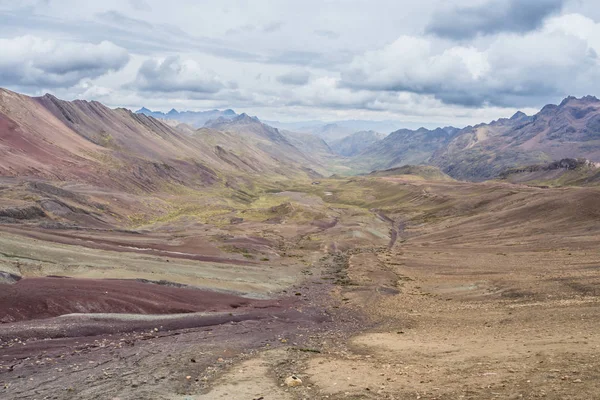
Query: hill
(423,172)
(566,172)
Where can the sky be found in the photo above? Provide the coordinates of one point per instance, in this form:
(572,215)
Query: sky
(430,62)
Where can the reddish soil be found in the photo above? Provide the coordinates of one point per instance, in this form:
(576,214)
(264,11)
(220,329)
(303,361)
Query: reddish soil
(36,298)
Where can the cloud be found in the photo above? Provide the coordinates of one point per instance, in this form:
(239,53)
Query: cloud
(30,61)
(176,75)
(251,28)
(294,78)
(326,33)
(511,70)
(140,5)
(492,17)
(312,58)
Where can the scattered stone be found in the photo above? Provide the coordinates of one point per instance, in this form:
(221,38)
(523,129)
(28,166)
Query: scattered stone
(293,381)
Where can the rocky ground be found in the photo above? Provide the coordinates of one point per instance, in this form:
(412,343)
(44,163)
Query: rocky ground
(350,290)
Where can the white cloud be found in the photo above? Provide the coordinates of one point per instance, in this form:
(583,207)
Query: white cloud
(176,75)
(351,59)
(510,69)
(35,62)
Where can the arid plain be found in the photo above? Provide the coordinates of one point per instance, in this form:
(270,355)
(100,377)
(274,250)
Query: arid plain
(391,287)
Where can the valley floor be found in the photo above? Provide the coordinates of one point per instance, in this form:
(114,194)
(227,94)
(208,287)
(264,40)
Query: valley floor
(365,288)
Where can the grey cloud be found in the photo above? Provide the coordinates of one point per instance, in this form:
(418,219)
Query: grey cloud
(493,17)
(311,58)
(294,78)
(326,33)
(175,75)
(131,33)
(140,5)
(513,71)
(272,27)
(250,28)
(143,37)
(30,61)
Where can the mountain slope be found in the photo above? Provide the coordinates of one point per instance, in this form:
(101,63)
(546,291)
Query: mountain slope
(356,143)
(87,142)
(566,172)
(403,147)
(274,147)
(569,130)
(331,132)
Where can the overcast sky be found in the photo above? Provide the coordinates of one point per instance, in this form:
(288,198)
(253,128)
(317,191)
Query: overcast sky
(428,61)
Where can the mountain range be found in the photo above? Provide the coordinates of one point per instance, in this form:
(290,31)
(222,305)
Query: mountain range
(337,130)
(568,130)
(196,119)
(356,143)
(50,138)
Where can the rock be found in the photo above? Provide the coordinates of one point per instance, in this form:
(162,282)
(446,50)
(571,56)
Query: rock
(293,381)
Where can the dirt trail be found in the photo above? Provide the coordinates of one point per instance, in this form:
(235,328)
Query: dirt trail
(396,227)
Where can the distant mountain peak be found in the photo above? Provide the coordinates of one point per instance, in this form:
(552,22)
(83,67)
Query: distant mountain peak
(239,119)
(243,117)
(143,110)
(518,115)
(590,98)
(49,96)
(584,99)
(196,119)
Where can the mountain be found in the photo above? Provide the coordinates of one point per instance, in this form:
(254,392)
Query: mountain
(356,143)
(196,119)
(310,145)
(278,147)
(331,132)
(403,147)
(568,130)
(336,130)
(87,142)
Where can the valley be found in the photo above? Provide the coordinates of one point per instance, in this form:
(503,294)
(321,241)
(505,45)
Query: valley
(142,261)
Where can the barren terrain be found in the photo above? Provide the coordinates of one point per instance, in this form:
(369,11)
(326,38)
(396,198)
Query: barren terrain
(363,288)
